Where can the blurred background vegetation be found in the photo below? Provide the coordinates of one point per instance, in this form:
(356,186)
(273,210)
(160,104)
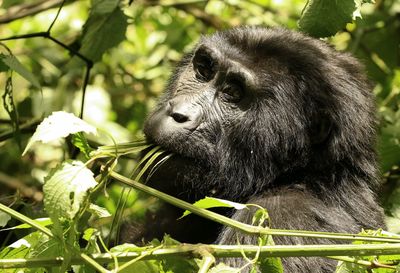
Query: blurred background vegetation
(142,41)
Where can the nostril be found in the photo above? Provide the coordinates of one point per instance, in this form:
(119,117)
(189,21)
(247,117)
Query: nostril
(180,118)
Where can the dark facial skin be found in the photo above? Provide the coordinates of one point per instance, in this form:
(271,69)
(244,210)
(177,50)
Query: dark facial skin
(271,117)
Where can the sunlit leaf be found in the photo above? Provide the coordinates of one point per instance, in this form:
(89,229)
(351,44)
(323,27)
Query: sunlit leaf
(99,211)
(88,233)
(211,202)
(21,247)
(65,189)
(59,125)
(4,218)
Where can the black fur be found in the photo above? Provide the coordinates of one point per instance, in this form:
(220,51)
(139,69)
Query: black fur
(272,117)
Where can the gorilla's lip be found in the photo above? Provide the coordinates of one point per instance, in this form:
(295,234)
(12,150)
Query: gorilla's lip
(164,147)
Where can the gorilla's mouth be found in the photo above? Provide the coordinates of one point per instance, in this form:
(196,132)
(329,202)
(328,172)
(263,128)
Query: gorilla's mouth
(160,151)
(191,145)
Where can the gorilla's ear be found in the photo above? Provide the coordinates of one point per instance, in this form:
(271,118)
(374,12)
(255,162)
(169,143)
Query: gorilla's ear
(321,128)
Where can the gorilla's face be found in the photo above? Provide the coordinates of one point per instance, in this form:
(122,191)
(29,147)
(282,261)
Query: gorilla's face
(251,104)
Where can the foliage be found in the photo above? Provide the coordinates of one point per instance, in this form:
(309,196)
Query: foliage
(107,61)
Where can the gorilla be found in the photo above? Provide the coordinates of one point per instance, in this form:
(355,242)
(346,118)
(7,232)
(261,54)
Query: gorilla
(269,117)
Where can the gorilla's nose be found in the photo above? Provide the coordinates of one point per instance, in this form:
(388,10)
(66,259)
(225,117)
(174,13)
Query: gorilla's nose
(179,117)
(183,111)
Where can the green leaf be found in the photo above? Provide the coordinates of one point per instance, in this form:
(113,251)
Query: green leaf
(13,63)
(20,248)
(58,125)
(35,244)
(211,202)
(389,151)
(4,218)
(102,32)
(103,6)
(99,211)
(65,189)
(259,217)
(271,265)
(3,66)
(80,141)
(322,18)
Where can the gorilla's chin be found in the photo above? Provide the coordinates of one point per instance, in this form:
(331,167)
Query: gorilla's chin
(176,175)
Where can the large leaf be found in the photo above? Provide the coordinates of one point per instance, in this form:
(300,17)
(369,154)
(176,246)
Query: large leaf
(13,63)
(59,125)
(65,189)
(322,18)
(102,32)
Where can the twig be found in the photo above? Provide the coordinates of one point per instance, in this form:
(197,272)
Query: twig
(29,192)
(24,128)
(85,83)
(200,14)
(55,18)
(24,10)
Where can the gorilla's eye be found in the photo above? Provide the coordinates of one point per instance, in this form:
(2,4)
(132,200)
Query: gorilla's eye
(232,92)
(204,66)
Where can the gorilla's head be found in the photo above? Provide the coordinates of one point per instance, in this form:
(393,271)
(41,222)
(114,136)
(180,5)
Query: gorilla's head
(252,108)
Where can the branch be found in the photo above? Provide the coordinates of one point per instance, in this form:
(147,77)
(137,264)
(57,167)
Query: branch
(24,128)
(190,7)
(223,251)
(203,16)
(28,9)
(29,192)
